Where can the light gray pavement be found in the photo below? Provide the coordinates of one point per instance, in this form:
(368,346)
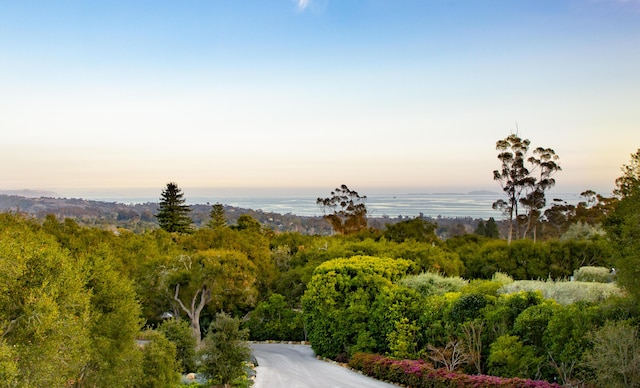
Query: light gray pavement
(296,366)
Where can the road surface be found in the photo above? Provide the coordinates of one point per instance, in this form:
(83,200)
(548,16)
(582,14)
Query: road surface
(295,366)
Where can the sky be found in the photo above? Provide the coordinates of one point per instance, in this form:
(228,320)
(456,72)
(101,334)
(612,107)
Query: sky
(265,96)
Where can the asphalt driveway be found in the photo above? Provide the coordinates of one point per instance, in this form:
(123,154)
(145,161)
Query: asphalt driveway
(295,366)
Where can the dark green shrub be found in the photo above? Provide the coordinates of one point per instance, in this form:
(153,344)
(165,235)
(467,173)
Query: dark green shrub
(467,307)
(225,350)
(179,332)
(159,364)
(338,300)
(508,357)
(274,320)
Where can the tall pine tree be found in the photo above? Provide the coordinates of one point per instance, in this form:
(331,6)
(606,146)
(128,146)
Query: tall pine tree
(173,214)
(218,219)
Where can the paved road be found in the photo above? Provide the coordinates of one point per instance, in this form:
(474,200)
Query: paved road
(295,366)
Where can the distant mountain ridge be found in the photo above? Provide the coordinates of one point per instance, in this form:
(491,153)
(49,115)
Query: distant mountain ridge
(27,193)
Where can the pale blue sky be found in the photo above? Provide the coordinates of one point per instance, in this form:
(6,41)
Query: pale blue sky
(383,95)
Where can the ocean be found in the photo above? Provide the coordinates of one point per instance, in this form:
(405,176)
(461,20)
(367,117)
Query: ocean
(391,205)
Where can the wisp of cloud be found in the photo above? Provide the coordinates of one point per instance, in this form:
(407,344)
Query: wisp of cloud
(303,4)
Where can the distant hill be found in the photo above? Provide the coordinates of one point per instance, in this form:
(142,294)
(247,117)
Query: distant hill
(30,193)
(141,217)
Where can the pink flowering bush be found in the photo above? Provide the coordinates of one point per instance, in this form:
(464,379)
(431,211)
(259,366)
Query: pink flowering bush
(421,374)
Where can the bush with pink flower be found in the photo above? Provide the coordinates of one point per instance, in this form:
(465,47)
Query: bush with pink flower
(422,374)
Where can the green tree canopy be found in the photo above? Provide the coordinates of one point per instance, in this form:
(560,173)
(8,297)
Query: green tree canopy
(623,227)
(44,308)
(223,278)
(629,181)
(416,229)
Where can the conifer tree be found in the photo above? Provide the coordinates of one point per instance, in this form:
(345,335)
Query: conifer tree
(481,229)
(173,214)
(491,228)
(218,219)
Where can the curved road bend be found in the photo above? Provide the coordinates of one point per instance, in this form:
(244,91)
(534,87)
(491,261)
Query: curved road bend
(295,366)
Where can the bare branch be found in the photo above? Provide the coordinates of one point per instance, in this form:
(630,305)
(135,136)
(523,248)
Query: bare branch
(177,299)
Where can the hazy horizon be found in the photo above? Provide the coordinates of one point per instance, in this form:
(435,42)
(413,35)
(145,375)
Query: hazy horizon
(101,96)
(255,192)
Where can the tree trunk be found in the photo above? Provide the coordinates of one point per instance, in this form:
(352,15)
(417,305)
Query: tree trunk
(194,311)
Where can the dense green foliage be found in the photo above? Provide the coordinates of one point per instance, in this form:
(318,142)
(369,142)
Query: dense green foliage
(179,332)
(350,308)
(416,229)
(623,228)
(273,319)
(159,364)
(74,299)
(525,259)
(339,297)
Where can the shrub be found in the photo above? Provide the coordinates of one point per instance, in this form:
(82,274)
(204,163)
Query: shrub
(467,307)
(429,283)
(402,341)
(593,274)
(501,316)
(485,287)
(421,374)
(273,319)
(179,332)
(615,356)
(391,307)
(565,292)
(509,357)
(531,324)
(225,349)
(502,278)
(565,339)
(337,304)
(159,364)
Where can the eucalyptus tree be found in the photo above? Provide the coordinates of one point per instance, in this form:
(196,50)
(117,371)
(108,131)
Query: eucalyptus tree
(545,165)
(345,210)
(524,180)
(629,181)
(173,214)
